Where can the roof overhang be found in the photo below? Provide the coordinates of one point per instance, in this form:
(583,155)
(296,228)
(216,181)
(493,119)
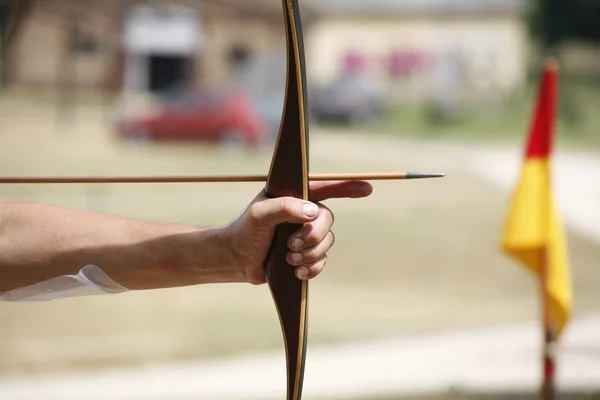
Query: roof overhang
(417,7)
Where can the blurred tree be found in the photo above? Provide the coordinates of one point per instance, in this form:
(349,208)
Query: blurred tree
(4,14)
(12,13)
(553,21)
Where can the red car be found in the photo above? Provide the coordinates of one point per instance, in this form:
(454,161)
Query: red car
(226,116)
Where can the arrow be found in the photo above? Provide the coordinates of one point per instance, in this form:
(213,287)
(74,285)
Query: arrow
(215,178)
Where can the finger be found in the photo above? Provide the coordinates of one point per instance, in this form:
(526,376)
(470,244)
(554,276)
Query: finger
(312,233)
(323,190)
(269,213)
(312,270)
(311,254)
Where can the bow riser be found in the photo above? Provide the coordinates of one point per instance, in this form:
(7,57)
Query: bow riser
(288,176)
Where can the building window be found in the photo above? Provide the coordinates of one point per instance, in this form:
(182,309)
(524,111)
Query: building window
(84,44)
(238,56)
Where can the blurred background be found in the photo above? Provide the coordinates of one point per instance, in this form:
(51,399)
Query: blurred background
(417,301)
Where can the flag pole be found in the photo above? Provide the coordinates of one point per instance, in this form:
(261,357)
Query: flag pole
(548,389)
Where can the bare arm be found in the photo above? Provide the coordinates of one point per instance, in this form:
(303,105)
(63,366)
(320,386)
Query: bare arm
(39,242)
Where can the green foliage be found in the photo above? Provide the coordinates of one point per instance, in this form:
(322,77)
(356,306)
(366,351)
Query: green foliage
(578,117)
(553,21)
(4,13)
(535,21)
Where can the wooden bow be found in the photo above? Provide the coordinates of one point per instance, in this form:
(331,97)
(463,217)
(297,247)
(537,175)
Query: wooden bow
(288,176)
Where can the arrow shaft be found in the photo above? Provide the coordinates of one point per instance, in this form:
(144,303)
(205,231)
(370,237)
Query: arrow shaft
(213,178)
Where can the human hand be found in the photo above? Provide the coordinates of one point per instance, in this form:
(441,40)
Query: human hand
(251,235)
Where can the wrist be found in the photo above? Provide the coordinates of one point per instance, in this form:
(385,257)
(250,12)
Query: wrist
(205,256)
(217,257)
(188,257)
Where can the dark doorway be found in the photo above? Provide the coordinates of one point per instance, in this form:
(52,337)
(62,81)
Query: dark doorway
(166,71)
(239,56)
(4,17)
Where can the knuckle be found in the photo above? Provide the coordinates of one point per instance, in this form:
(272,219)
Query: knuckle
(311,236)
(328,212)
(313,255)
(255,212)
(288,205)
(320,263)
(317,267)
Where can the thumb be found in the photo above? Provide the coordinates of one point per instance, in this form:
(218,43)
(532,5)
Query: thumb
(269,213)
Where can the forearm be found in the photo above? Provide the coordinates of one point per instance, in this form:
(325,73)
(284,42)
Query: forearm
(40,242)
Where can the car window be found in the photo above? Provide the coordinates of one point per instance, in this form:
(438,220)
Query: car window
(174,100)
(209,101)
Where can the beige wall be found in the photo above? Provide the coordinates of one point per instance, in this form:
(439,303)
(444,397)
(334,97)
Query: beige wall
(503,37)
(40,57)
(39,53)
(225,31)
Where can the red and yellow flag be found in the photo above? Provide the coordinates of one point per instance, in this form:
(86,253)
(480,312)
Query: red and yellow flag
(533,233)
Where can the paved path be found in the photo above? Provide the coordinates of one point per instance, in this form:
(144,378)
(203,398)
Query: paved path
(482,360)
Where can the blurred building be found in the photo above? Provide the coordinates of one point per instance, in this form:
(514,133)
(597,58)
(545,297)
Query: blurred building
(412,48)
(418,47)
(140,45)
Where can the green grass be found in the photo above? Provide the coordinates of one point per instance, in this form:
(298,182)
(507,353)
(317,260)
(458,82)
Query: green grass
(415,256)
(509,120)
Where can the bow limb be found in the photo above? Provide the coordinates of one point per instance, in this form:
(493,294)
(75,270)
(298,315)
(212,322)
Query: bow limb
(288,176)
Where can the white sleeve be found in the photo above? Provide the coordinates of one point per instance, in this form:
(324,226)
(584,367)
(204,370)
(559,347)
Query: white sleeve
(90,281)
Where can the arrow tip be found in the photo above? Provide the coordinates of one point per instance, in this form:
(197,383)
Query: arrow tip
(424,175)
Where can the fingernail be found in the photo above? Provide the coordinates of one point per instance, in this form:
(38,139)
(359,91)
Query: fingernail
(302,273)
(310,209)
(296,257)
(298,243)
